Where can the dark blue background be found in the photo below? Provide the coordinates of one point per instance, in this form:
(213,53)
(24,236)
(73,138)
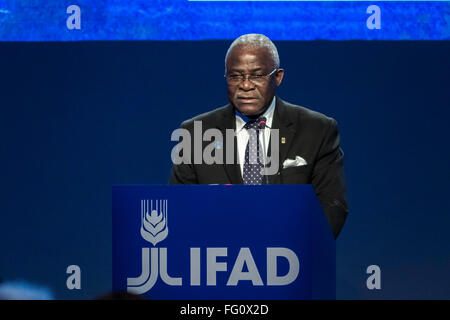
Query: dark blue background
(77,118)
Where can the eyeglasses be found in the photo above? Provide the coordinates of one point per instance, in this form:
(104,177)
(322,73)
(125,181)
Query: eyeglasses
(257,79)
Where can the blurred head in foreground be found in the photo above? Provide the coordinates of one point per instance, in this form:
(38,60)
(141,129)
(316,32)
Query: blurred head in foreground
(22,290)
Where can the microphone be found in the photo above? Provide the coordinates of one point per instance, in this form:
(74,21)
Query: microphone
(262,125)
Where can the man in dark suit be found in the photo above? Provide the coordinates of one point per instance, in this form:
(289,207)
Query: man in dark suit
(307,141)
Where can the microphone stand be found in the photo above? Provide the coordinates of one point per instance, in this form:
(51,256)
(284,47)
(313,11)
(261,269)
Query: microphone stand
(262,125)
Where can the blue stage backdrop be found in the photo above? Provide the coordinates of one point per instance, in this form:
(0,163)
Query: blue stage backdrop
(80,117)
(54,20)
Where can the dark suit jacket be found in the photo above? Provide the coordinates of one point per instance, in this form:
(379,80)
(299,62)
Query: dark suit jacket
(307,133)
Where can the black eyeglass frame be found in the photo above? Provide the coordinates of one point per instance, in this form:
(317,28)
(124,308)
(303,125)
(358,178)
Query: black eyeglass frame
(237,79)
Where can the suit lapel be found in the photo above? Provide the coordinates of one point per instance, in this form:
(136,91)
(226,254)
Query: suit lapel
(283,121)
(227,121)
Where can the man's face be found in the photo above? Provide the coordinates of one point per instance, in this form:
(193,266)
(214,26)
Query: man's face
(252,98)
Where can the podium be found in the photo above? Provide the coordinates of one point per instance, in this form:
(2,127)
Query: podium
(222,242)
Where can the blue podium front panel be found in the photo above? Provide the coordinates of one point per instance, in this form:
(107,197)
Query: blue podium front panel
(222,242)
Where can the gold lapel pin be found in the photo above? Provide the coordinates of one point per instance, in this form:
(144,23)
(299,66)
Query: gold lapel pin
(283,140)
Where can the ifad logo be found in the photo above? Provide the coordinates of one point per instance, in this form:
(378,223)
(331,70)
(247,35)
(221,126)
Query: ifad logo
(154,221)
(154,229)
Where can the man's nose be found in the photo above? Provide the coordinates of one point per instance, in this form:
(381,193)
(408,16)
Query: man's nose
(246,84)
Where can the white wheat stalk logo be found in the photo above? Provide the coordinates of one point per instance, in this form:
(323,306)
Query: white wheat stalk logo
(154,227)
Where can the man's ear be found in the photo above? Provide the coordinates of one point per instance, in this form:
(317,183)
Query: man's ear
(279,76)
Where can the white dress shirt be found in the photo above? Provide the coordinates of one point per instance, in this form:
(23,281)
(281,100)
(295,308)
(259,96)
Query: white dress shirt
(242,134)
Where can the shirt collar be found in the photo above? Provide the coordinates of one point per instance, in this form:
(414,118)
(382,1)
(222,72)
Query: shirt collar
(241,119)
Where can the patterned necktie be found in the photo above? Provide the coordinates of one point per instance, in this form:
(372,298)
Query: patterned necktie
(252,165)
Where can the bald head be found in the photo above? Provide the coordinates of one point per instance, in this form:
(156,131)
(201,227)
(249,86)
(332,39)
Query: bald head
(254,41)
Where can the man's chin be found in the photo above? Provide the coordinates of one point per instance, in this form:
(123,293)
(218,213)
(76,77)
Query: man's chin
(249,109)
